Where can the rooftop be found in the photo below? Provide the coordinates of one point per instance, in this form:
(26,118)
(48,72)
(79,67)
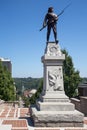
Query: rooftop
(83,85)
(4,59)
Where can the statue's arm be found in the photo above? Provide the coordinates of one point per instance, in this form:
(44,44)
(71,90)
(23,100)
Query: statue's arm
(55,17)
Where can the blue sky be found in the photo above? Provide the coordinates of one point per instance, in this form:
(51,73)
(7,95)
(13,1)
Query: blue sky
(23,44)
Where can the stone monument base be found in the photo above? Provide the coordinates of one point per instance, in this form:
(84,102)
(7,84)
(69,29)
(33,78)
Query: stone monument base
(54,108)
(57,118)
(54,97)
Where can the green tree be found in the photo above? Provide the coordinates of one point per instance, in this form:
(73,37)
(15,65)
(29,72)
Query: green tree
(7,92)
(71,76)
(26,101)
(37,94)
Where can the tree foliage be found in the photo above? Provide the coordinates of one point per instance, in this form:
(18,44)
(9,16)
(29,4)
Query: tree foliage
(7,92)
(84,80)
(71,76)
(32,100)
(28,83)
(37,94)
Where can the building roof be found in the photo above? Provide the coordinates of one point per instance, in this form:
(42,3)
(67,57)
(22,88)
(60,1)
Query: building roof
(33,91)
(4,59)
(83,85)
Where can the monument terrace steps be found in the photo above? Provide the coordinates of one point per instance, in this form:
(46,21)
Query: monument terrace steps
(56,106)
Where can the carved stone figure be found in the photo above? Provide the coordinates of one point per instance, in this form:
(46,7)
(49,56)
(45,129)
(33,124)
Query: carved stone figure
(54,78)
(53,50)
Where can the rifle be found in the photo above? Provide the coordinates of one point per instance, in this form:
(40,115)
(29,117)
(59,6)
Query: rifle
(58,15)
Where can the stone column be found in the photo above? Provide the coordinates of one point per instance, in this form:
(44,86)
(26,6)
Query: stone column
(53,88)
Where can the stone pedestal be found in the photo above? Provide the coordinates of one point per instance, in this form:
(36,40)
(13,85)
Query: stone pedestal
(54,108)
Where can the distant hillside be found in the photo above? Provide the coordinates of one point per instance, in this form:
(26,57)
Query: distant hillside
(28,83)
(84,79)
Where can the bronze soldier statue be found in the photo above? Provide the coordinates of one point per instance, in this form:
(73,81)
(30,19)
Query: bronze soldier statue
(50,21)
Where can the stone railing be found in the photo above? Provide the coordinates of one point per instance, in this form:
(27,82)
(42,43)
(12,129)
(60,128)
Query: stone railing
(80,105)
(83,101)
(77,103)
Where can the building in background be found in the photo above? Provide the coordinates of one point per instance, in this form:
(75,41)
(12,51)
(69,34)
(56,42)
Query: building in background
(82,89)
(32,92)
(7,62)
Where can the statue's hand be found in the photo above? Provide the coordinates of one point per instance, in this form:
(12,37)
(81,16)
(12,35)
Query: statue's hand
(44,25)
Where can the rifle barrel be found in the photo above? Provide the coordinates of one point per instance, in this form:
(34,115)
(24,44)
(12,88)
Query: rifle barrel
(67,6)
(42,28)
